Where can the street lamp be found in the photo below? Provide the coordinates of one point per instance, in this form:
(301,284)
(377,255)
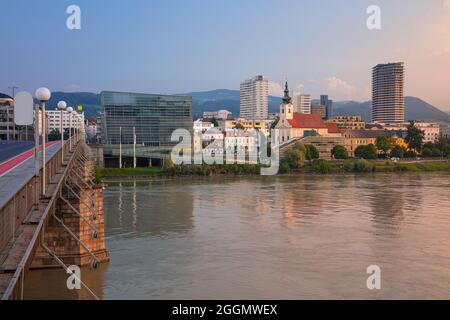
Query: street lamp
(70,110)
(43,95)
(62,105)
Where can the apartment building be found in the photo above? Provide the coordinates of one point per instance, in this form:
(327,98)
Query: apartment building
(254,98)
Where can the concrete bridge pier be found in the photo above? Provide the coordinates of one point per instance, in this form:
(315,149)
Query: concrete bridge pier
(74,234)
(61,228)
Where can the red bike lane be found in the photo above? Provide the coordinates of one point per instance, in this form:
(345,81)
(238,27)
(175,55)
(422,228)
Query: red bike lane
(10,164)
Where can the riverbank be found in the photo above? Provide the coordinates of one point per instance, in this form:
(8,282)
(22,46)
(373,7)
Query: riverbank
(315,167)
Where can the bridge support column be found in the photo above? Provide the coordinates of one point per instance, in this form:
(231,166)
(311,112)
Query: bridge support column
(75,233)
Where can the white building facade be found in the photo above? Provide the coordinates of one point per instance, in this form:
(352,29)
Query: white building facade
(388,100)
(431,130)
(201,125)
(219,115)
(445,130)
(54,120)
(302,103)
(254,98)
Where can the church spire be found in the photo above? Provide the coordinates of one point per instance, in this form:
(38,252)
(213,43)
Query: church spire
(286,98)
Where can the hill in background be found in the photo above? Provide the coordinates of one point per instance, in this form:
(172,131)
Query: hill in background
(416,109)
(90,101)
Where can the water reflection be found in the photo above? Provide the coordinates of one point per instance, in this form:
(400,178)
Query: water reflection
(275,238)
(51,284)
(131,209)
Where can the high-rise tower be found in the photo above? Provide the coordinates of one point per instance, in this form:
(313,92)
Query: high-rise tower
(388,101)
(254,98)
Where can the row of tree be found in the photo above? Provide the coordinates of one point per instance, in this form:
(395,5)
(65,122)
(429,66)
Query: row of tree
(386,146)
(295,157)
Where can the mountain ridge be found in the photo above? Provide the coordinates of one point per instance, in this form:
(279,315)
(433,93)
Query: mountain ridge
(416,108)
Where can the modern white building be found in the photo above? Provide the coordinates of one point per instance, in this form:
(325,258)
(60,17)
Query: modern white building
(388,100)
(219,115)
(445,130)
(240,141)
(201,125)
(216,142)
(54,120)
(254,98)
(302,103)
(7,127)
(431,130)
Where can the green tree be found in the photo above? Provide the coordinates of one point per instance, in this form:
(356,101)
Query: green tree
(169,164)
(385,143)
(410,154)
(436,152)
(295,157)
(414,137)
(311,152)
(398,151)
(446,150)
(300,146)
(54,135)
(366,152)
(239,126)
(441,144)
(284,167)
(359,151)
(214,122)
(339,152)
(427,153)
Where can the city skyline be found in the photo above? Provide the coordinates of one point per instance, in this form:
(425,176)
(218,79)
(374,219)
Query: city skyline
(213,47)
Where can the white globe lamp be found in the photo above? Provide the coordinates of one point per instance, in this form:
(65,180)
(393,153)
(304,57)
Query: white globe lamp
(43,94)
(62,105)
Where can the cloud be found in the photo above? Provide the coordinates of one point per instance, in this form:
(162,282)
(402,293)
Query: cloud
(298,87)
(73,87)
(440,53)
(275,89)
(339,88)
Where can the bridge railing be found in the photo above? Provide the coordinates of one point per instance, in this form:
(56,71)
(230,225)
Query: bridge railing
(19,206)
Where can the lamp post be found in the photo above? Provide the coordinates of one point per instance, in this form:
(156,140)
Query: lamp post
(120,149)
(62,105)
(70,110)
(36,154)
(134,147)
(43,95)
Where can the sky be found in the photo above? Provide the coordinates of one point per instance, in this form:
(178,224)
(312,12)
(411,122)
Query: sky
(177,46)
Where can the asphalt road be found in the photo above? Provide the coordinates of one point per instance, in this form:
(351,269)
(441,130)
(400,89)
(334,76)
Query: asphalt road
(10,149)
(15,172)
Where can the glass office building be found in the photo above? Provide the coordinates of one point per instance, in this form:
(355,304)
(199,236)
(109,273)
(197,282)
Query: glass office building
(154,118)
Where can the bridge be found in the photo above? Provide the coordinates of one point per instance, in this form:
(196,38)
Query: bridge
(60,228)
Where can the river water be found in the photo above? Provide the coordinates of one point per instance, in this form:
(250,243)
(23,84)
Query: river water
(303,237)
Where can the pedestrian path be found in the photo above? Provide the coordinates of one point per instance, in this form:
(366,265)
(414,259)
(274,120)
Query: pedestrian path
(15,172)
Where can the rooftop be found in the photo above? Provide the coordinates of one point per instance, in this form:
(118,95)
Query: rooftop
(333,128)
(309,121)
(364,133)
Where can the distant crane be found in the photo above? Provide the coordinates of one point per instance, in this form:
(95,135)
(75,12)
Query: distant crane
(13,88)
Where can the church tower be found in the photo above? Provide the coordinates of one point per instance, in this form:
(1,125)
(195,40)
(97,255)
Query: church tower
(287,108)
